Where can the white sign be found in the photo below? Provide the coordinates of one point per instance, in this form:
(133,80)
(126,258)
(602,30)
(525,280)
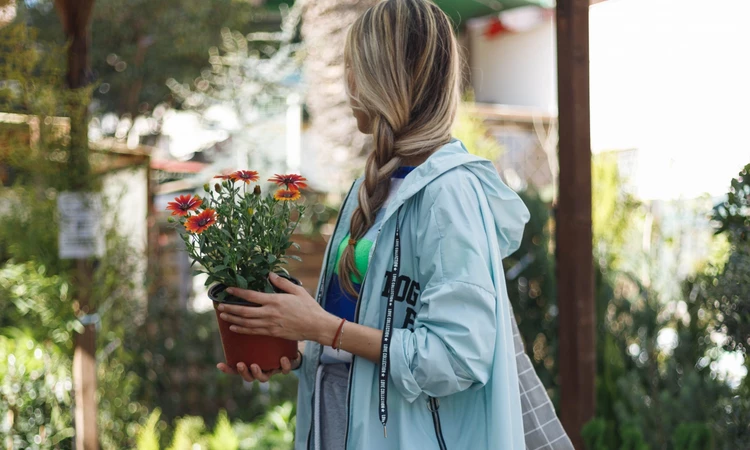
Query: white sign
(81,233)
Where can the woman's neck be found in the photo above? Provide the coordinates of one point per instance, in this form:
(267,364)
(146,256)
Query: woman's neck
(414,161)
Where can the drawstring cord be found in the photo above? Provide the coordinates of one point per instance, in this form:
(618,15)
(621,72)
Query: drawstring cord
(388,330)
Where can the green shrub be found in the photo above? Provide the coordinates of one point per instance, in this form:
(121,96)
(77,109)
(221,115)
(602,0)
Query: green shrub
(223,437)
(693,436)
(594,435)
(148,434)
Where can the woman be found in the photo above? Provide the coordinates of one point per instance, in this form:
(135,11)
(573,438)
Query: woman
(410,341)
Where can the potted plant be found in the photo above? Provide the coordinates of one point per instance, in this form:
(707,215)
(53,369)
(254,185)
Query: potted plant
(238,236)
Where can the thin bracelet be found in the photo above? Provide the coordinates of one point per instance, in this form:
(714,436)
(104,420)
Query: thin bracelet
(341,326)
(341,336)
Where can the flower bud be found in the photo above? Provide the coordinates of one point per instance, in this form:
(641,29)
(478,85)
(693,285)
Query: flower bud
(170,219)
(206,188)
(217,187)
(250,211)
(256,191)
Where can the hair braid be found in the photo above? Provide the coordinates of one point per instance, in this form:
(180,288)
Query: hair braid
(373,192)
(403,61)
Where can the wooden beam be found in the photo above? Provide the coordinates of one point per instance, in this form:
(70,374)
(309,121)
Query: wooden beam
(574,255)
(75,16)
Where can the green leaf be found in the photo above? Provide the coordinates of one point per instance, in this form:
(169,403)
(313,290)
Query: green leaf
(271,259)
(294,257)
(219,268)
(296,245)
(241,282)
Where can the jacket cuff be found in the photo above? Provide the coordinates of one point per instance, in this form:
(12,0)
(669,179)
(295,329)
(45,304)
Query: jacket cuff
(400,361)
(296,372)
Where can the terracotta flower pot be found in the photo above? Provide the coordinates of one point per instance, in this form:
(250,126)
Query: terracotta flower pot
(265,351)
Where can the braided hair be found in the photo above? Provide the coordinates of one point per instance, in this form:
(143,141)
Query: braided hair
(403,73)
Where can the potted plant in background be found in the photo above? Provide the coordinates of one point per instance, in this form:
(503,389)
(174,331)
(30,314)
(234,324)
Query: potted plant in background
(238,236)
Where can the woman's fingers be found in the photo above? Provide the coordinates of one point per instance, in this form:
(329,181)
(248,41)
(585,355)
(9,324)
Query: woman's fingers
(254,331)
(244,373)
(254,372)
(248,312)
(243,322)
(226,369)
(260,375)
(286,365)
(260,298)
(284,284)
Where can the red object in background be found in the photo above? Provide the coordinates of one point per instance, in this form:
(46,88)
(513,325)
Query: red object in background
(494,28)
(265,351)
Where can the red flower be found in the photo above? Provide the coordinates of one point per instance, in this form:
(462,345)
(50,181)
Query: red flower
(247,176)
(183,204)
(286,195)
(290,181)
(199,223)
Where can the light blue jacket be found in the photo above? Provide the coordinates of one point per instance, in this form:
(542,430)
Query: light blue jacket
(452,337)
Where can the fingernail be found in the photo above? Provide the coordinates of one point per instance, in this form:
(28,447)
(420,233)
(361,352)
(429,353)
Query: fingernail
(273,276)
(241,367)
(230,291)
(221,307)
(233,328)
(223,316)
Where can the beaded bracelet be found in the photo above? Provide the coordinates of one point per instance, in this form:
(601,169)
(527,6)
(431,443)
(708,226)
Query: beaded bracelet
(341,336)
(341,327)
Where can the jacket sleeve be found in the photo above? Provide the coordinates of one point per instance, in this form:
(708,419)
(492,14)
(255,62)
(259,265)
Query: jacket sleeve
(452,345)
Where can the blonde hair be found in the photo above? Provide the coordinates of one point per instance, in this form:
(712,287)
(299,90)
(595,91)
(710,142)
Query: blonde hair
(404,63)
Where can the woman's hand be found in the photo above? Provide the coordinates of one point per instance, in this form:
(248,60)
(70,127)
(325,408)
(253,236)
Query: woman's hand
(256,374)
(293,315)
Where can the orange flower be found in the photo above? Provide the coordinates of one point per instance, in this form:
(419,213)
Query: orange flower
(224,177)
(199,223)
(290,181)
(183,204)
(247,176)
(286,195)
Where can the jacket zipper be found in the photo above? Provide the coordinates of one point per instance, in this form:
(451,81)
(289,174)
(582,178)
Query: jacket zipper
(323,287)
(433,405)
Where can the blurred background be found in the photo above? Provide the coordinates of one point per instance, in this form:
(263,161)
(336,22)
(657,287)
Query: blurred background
(107,337)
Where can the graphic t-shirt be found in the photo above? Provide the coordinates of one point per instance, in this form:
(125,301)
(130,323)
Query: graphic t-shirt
(340,302)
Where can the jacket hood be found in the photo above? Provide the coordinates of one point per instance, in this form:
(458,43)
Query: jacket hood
(509,211)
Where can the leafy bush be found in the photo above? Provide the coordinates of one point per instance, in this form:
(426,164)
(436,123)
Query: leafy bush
(273,431)
(35,395)
(148,435)
(731,289)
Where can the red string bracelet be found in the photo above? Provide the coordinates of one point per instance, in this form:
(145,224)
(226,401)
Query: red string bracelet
(341,326)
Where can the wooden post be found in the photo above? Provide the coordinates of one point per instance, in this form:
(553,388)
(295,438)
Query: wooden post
(574,255)
(84,365)
(75,16)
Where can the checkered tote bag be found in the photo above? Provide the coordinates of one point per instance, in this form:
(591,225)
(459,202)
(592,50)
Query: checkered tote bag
(542,428)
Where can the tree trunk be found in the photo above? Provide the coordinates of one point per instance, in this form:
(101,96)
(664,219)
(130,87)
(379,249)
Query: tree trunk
(339,144)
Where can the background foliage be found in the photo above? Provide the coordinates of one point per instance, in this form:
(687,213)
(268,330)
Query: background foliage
(659,339)
(141,43)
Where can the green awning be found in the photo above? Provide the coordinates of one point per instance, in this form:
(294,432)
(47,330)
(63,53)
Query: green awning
(461,10)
